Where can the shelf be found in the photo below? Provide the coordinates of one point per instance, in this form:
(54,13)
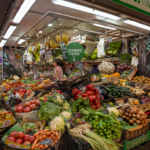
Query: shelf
(112,59)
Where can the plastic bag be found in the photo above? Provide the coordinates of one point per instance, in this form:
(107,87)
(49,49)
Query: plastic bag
(100,47)
(30,115)
(135,61)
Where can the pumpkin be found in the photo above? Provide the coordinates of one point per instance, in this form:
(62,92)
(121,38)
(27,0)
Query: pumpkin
(136,102)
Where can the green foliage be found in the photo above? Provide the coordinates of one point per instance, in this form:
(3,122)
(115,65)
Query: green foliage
(125,58)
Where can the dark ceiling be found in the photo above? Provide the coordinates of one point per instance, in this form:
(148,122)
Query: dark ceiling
(5,7)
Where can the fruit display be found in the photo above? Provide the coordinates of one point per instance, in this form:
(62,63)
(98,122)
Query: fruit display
(142,86)
(28,106)
(5,114)
(65,38)
(106,68)
(126,73)
(137,91)
(133,115)
(142,79)
(144,99)
(123,67)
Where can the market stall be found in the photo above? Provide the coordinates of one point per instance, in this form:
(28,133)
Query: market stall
(97,103)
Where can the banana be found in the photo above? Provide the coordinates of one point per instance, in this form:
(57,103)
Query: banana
(47,44)
(58,38)
(53,44)
(65,38)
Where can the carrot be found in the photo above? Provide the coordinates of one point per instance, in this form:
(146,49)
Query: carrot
(41,146)
(35,142)
(46,130)
(48,133)
(40,138)
(37,145)
(36,134)
(44,136)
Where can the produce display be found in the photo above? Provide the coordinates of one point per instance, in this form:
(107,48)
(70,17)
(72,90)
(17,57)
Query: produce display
(142,79)
(5,114)
(123,67)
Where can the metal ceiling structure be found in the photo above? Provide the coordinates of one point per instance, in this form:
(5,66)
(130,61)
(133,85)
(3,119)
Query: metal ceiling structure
(44,12)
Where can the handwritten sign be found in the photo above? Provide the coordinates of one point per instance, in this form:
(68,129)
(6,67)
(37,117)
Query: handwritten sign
(79,65)
(63,49)
(75,52)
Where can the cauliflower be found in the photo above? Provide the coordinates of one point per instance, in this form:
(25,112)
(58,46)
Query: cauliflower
(66,106)
(66,114)
(57,123)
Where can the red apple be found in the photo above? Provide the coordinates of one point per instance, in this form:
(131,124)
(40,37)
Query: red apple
(27,104)
(20,134)
(27,109)
(31,139)
(32,106)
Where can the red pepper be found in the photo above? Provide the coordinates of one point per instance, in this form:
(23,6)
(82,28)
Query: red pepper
(77,95)
(84,95)
(98,106)
(96,91)
(75,91)
(98,96)
(90,87)
(60,92)
(97,101)
(91,103)
(92,98)
(89,93)
(93,106)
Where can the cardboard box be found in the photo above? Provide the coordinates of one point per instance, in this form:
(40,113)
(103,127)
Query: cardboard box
(109,79)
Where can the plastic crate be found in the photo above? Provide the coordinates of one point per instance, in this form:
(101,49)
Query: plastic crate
(127,145)
(76,144)
(144,146)
(135,132)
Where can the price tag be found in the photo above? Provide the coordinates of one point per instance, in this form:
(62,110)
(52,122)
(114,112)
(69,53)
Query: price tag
(63,49)
(79,65)
(48,55)
(46,142)
(40,63)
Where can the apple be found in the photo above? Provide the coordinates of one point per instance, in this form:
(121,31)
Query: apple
(11,139)
(32,106)
(27,109)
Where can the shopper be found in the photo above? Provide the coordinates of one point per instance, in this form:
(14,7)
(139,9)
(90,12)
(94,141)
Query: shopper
(58,64)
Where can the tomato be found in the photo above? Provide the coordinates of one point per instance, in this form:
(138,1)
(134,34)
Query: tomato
(27,109)
(20,134)
(26,143)
(26,137)
(37,102)
(21,106)
(11,139)
(13,134)
(19,141)
(27,104)
(32,106)
(32,102)
(20,109)
(31,139)
(16,134)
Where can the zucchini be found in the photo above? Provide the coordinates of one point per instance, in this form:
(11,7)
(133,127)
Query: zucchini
(109,90)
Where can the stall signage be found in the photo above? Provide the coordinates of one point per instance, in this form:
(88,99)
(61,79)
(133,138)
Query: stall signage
(75,52)
(142,6)
(63,49)
(79,65)
(48,55)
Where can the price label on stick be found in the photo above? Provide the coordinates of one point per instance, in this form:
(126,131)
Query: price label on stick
(63,49)
(46,142)
(75,52)
(79,65)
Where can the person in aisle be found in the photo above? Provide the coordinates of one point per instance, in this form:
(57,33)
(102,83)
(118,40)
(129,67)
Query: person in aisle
(59,65)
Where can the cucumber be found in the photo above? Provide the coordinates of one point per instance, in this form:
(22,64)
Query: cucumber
(108,89)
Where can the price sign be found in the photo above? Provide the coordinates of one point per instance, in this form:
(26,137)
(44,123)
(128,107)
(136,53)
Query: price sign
(79,65)
(42,51)
(48,55)
(46,142)
(63,49)
(75,52)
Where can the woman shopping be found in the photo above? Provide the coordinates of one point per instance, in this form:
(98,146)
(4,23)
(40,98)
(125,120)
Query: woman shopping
(58,64)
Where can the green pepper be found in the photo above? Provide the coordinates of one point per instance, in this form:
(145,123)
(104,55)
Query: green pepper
(94,126)
(100,123)
(91,119)
(86,102)
(96,117)
(88,106)
(74,109)
(95,130)
(79,100)
(94,122)
(80,107)
(76,103)
(101,114)
(98,127)
(101,134)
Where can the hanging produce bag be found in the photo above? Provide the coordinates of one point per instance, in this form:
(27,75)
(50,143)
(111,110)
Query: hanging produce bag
(135,61)
(100,47)
(135,53)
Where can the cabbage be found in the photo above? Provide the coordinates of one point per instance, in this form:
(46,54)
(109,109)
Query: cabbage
(57,123)
(66,114)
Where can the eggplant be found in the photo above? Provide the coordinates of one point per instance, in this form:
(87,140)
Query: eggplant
(103,92)
(109,96)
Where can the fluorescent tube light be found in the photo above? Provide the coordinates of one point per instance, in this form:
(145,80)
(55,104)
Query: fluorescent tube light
(26,5)
(85,9)
(50,25)
(9,32)
(72,5)
(107,15)
(40,32)
(21,41)
(75,30)
(137,24)
(2,43)
(105,26)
